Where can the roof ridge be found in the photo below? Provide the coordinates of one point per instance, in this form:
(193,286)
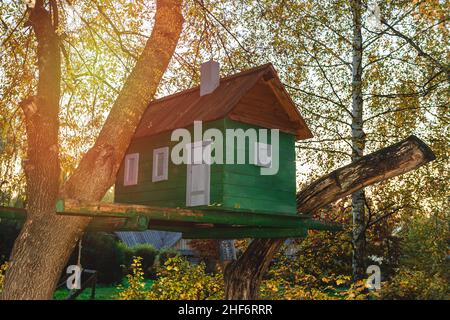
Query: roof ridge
(223,79)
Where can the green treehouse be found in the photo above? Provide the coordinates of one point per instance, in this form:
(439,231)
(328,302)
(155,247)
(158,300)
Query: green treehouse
(215,161)
(221,156)
(251,168)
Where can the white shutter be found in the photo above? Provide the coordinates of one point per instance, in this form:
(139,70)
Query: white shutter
(263,154)
(131,169)
(198,173)
(160,169)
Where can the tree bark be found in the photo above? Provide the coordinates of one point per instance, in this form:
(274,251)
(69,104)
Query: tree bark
(358,145)
(243,277)
(381,165)
(46,240)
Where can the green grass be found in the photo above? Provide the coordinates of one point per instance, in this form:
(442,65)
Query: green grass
(102,292)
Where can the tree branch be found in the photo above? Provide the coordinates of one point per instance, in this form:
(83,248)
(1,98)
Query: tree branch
(386,163)
(103,160)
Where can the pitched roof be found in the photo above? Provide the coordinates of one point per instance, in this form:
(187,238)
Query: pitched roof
(181,109)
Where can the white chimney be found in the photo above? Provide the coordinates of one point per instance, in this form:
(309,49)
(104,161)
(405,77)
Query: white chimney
(209,77)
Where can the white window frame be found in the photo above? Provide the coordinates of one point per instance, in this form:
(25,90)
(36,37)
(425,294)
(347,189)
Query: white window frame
(131,178)
(165,158)
(259,148)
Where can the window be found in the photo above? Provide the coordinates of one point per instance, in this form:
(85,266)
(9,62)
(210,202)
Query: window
(263,154)
(160,164)
(131,169)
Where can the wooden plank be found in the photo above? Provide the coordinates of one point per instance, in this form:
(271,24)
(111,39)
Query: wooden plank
(10,213)
(96,209)
(138,223)
(239,233)
(283,99)
(233,178)
(259,192)
(260,206)
(269,105)
(125,217)
(260,122)
(215,232)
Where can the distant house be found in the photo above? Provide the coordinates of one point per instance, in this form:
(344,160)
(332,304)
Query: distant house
(158,239)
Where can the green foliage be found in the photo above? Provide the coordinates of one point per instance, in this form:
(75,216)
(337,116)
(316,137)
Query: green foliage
(177,279)
(305,278)
(181,280)
(101,252)
(148,254)
(127,255)
(423,271)
(410,284)
(424,246)
(165,254)
(135,289)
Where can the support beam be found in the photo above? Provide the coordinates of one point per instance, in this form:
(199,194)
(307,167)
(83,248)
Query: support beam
(233,233)
(10,213)
(243,233)
(129,217)
(137,223)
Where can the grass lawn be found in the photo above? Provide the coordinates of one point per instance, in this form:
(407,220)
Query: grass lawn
(102,292)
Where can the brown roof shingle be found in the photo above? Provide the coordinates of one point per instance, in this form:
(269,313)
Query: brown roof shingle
(181,109)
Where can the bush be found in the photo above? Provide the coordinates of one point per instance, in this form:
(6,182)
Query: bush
(177,279)
(101,252)
(181,280)
(135,289)
(423,271)
(148,253)
(166,254)
(127,256)
(415,285)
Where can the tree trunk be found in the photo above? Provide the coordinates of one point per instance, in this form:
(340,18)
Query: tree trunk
(243,277)
(46,240)
(358,144)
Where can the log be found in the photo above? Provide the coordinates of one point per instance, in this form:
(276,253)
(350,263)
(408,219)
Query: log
(243,276)
(384,164)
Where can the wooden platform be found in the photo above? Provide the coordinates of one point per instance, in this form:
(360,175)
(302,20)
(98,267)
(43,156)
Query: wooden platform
(194,224)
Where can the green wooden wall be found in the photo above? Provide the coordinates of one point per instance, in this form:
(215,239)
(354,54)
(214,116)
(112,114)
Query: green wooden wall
(171,192)
(244,188)
(233,187)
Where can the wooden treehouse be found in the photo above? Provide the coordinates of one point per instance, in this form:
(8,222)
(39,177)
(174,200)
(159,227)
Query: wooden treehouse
(214,199)
(168,181)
